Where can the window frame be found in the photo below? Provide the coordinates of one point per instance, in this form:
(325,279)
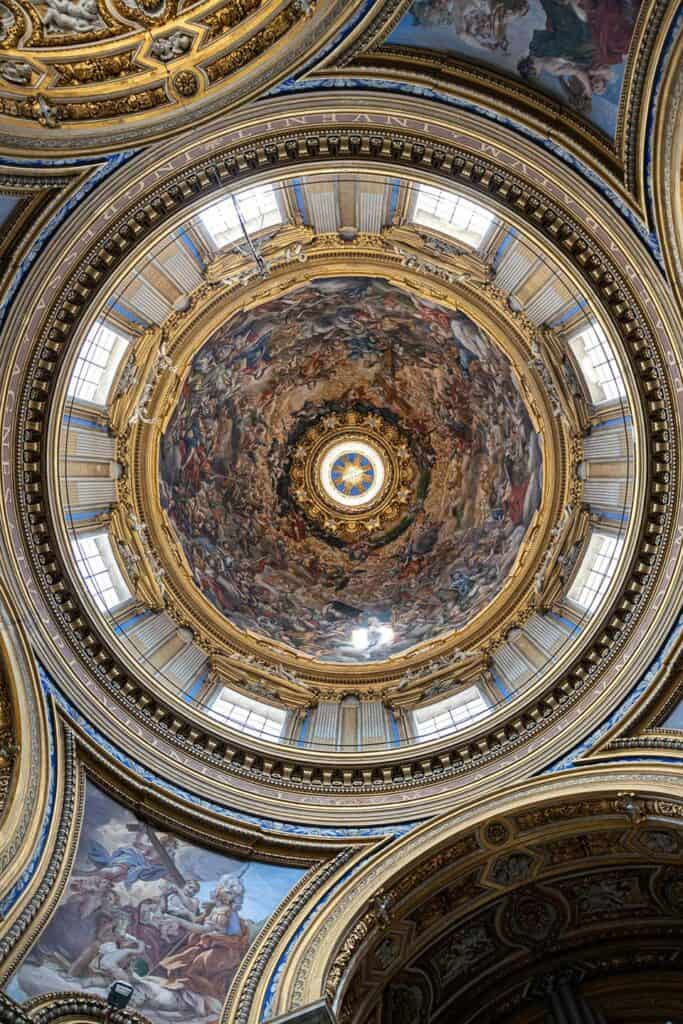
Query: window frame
(101,378)
(421,217)
(593,573)
(441,713)
(93,565)
(254,225)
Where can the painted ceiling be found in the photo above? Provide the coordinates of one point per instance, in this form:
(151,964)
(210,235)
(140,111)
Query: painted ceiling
(335,346)
(573,50)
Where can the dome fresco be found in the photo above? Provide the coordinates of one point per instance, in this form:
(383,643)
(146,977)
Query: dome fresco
(341,533)
(446,395)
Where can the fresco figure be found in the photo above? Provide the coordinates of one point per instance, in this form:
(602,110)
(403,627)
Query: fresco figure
(215,944)
(172,919)
(482,23)
(579,46)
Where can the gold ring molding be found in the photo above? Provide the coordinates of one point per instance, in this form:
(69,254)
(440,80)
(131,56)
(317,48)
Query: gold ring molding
(628,296)
(142,447)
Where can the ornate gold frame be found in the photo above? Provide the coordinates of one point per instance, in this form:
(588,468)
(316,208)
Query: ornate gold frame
(139,445)
(323,509)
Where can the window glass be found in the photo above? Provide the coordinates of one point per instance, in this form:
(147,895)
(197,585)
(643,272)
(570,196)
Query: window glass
(96,365)
(99,570)
(596,360)
(248,715)
(596,570)
(452,215)
(259,208)
(447,715)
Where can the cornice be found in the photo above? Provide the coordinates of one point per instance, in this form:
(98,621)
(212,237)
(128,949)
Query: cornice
(662,165)
(25,745)
(46,875)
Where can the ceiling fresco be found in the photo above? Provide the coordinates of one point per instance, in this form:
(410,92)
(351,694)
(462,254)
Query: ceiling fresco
(573,50)
(145,905)
(434,382)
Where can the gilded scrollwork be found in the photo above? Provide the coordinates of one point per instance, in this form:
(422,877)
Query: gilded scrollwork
(80,45)
(14,23)
(8,744)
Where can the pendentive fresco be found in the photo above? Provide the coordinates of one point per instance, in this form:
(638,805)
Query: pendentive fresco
(146,907)
(573,50)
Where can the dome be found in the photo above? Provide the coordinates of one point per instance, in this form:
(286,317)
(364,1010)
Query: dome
(341,532)
(414,399)
(349,463)
(369,486)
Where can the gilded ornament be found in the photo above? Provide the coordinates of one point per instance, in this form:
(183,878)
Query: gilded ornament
(186,82)
(99,69)
(131,104)
(258,44)
(45,113)
(229,14)
(353,474)
(149,13)
(13,23)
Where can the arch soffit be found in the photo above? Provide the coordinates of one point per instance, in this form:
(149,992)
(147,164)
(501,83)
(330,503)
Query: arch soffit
(32,769)
(475,851)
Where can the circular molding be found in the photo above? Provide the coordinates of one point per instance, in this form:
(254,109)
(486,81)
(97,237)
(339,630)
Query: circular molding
(351,473)
(667,167)
(641,317)
(138,449)
(351,470)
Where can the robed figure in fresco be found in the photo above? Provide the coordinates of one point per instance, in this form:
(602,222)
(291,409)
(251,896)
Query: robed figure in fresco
(581,43)
(214,946)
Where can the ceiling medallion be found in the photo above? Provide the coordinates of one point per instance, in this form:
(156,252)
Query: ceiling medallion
(353,474)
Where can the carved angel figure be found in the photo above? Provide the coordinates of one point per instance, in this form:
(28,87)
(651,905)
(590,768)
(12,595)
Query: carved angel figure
(128,376)
(60,16)
(18,72)
(168,48)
